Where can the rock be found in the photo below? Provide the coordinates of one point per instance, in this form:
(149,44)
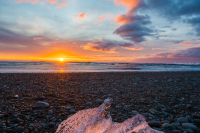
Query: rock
(72,111)
(89,104)
(98,120)
(189,106)
(19,129)
(165,114)
(189,126)
(99,101)
(167,126)
(1,115)
(176,124)
(196,116)
(182,120)
(50,112)
(153,111)
(110,95)
(69,107)
(154,123)
(197,121)
(42,105)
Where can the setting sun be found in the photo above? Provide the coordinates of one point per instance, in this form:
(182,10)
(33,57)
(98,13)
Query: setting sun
(61,59)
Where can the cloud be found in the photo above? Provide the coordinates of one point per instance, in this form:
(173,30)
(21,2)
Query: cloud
(186,53)
(109,46)
(52,1)
(27,1)
(190,43)
(101,18)
(12,38)
(59,4)
(62,4)
(37,38)
(81,15)
(134,27)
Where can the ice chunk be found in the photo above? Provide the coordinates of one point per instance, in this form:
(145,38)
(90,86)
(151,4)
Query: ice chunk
(98,120)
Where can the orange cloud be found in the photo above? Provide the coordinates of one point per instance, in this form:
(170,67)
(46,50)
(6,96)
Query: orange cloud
(101,18)
(190,43)
(27,1)
(39,38)
(131,4)
(62,4)
(95,47)
(131,48)
(81,16)
(52,1)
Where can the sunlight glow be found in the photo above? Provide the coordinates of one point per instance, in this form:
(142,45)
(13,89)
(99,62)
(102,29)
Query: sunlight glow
(61,59)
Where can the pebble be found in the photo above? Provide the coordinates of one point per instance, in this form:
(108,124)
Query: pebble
(153,111)
(19,129)
(175,124)
(72,111)
(50,112)
(189,126)
(99,101)
(154,123)
(89,104)
(42,104)
(166,126)
(182,120)
(69,107)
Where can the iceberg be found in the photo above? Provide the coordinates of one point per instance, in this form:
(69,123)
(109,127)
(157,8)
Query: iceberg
(98,120)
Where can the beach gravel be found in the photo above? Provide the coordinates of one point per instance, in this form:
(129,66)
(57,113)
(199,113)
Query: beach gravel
(39,102)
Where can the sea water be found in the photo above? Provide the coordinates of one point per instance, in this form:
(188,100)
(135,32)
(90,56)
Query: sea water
(52,67)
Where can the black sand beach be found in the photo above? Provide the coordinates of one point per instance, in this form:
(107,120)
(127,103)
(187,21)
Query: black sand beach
(172,98)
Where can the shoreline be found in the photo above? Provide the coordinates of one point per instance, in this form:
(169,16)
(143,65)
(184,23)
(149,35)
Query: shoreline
(103,71)
(171,94)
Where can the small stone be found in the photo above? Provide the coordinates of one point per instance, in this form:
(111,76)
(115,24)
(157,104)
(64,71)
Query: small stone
(197,121)
(182,120)
(153,111)
(50,112)
(19,129)
(189,106)
(89,103)
(189,126)
(42,104)
(196,116)
(69,107)
(1,115)
(167,126)
(72,111)
(176,124)
(110,95)
(154,123)
(99,101)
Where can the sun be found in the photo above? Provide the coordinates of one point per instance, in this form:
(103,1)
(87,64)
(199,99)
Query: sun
(61,59)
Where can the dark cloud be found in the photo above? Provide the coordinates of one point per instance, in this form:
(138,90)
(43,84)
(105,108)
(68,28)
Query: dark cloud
(134,27)
(174,10)
(109,46)
(195,21)
(186,53)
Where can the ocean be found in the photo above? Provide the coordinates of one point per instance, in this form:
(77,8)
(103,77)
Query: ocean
(53,67)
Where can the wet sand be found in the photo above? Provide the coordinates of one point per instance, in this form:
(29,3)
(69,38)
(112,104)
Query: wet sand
(158,96)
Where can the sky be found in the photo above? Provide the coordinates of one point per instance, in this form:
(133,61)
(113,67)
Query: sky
(140,31)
